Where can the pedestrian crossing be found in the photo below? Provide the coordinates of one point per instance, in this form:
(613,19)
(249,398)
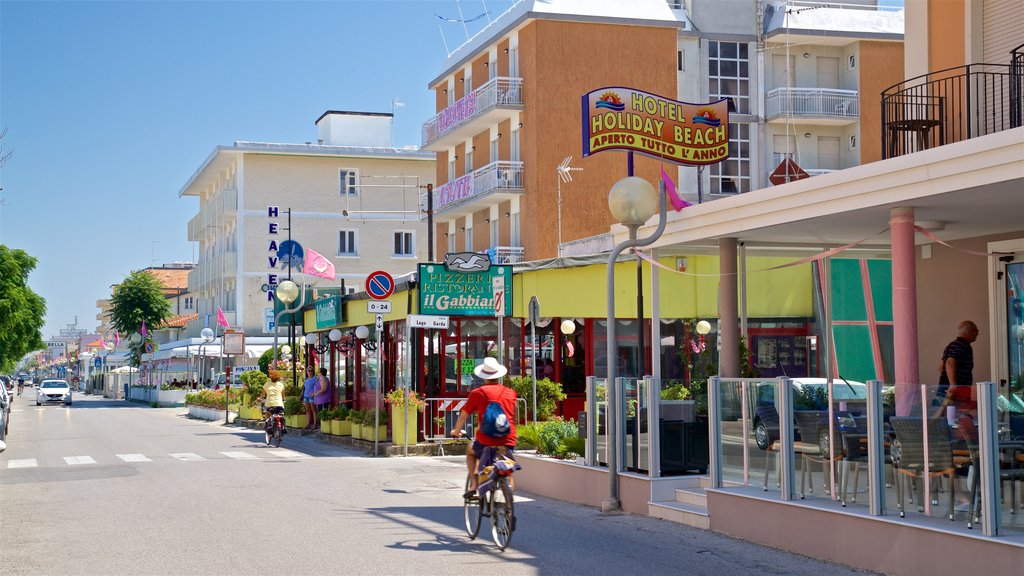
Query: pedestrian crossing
(142,458)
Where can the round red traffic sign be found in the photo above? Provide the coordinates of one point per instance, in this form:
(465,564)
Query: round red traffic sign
(380,285)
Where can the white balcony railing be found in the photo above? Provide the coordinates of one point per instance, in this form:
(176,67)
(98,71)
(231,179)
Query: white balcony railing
(505,254)
(496,92)
(503,175)
(812,103)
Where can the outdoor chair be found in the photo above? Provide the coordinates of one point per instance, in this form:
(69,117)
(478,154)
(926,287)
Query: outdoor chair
(908,457)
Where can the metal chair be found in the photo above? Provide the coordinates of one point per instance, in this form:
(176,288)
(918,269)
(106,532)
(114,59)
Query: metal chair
(909,457)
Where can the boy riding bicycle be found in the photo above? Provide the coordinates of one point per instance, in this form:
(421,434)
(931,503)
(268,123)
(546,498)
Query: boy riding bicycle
(492,390)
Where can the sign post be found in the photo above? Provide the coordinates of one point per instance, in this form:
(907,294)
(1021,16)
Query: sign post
(379,286)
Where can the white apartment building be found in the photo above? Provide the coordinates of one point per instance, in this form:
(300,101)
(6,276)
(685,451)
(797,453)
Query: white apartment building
(351,197)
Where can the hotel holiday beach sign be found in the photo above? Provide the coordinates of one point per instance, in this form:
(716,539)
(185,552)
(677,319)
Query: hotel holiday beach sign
(619,118)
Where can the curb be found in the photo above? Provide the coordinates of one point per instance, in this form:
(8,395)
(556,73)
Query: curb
(387,448)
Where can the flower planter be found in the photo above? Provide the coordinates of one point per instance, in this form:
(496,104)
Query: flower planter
(201,413)
(379,433)
(300,421)
(357,430)
(341,427)
(399,433)
(325,426)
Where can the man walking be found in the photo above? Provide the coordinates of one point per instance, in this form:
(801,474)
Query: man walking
(956,375)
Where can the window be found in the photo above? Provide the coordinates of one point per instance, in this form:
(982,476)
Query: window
(348,243)
(451,169)
(492,67)
(404,244)
(495,236)
(728,69)
(732,176)
(469,160)
(513,62)
(494,151)
(469,238)
(513,224)
(851,62)
(348,182)
(679,57)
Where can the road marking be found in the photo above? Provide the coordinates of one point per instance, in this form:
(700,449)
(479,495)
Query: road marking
(133,458)
(25,463)
(75,460)
(287,454)
(240,455)
(187,457)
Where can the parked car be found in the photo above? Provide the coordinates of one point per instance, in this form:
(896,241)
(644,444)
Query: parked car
(53,391)
(7,382)
(810,410)
(5,412)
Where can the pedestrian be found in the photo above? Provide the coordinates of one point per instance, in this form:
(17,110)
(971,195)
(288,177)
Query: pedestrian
(324,394)
(956,373)
(308,390)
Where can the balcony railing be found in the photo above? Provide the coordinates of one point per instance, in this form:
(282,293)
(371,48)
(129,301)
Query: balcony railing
(952,105)
(828,103)
(497,92)
(505,254)
(503,175)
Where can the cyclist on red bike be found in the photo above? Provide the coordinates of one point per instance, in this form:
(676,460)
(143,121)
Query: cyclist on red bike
(492,390)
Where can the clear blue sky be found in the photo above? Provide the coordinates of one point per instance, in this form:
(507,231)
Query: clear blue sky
(111,106)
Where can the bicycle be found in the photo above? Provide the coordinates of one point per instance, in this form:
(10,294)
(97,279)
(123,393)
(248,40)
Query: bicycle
(273,425)
(496,501)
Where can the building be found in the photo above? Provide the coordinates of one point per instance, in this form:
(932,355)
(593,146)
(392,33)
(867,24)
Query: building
(351,197)
(508,113)
(173,277)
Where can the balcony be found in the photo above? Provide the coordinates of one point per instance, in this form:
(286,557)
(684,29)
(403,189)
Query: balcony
(497,100)
(497,182)
(223,206)
(505,254)
(821,106)
(952,105)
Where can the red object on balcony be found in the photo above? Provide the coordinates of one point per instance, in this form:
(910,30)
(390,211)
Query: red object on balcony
(787,171)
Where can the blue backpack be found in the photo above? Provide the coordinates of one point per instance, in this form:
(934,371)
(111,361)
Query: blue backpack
(495,422)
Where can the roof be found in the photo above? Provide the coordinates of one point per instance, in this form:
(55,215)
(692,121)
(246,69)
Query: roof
(179,321)
(174,280)
(219,158)
(351,113)
(635,13)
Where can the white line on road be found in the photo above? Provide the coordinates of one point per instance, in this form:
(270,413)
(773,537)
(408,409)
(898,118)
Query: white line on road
(133,458)
(240,455)
(187,457)
(25,463)
(287,454)
(75,460)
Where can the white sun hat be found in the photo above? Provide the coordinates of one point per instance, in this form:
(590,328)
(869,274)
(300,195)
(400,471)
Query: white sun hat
(490,369)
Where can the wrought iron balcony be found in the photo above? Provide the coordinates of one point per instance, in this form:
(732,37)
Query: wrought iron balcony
(952,105)
(505,254)
(813,105)
(485,106)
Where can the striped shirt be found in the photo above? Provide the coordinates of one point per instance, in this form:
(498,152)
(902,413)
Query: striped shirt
(959,350)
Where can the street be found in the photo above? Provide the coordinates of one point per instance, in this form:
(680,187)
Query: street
(109,487)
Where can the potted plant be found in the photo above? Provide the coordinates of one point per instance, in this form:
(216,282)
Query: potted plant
(405,407)
(252,386)
(356,419)
(375,424)
(293,408)
(324,417)
(340,424)
(677,404)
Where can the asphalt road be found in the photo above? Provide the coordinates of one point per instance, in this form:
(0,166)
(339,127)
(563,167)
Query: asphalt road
(108,487)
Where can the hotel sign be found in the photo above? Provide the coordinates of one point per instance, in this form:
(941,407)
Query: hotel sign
(453,115)
(618,118)
(444,293)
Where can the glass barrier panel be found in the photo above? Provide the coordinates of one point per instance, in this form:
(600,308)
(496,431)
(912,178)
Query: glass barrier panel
(635,440)
(683,428)
(600,425)
(735,432)
(1010,454)
(763,417)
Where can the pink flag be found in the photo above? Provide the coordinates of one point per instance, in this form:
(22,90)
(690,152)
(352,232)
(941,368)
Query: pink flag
(117,338)
(673,196)
(222,320)
(143,328)
(318,265)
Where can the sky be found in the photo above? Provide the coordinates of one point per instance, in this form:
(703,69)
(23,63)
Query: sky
(110,107)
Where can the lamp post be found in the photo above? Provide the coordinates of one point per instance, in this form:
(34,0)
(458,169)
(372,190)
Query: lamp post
(286,292)
(632,202)
(135,340)
(208,336)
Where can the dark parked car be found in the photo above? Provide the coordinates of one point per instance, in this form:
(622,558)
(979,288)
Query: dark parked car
(810,411)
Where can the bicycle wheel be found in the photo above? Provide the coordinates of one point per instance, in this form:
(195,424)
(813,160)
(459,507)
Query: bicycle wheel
(472,513)
(503,521)
(277,436)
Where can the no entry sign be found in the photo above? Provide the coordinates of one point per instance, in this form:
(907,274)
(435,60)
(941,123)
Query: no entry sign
(380,285)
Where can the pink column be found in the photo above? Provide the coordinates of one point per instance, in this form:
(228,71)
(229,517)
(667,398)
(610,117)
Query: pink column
(729,358)
(904,309)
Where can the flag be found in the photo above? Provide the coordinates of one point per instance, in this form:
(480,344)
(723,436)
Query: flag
(117,338)
(143,329)
(317,265)
(670,189)
(222,320)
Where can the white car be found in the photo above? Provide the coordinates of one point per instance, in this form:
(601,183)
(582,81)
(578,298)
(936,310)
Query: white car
(53,391)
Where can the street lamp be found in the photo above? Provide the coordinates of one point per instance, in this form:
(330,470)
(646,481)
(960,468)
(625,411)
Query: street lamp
(632,202)
(135,340)
(363,334)
(208,336)
(286,292)
(703,328)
